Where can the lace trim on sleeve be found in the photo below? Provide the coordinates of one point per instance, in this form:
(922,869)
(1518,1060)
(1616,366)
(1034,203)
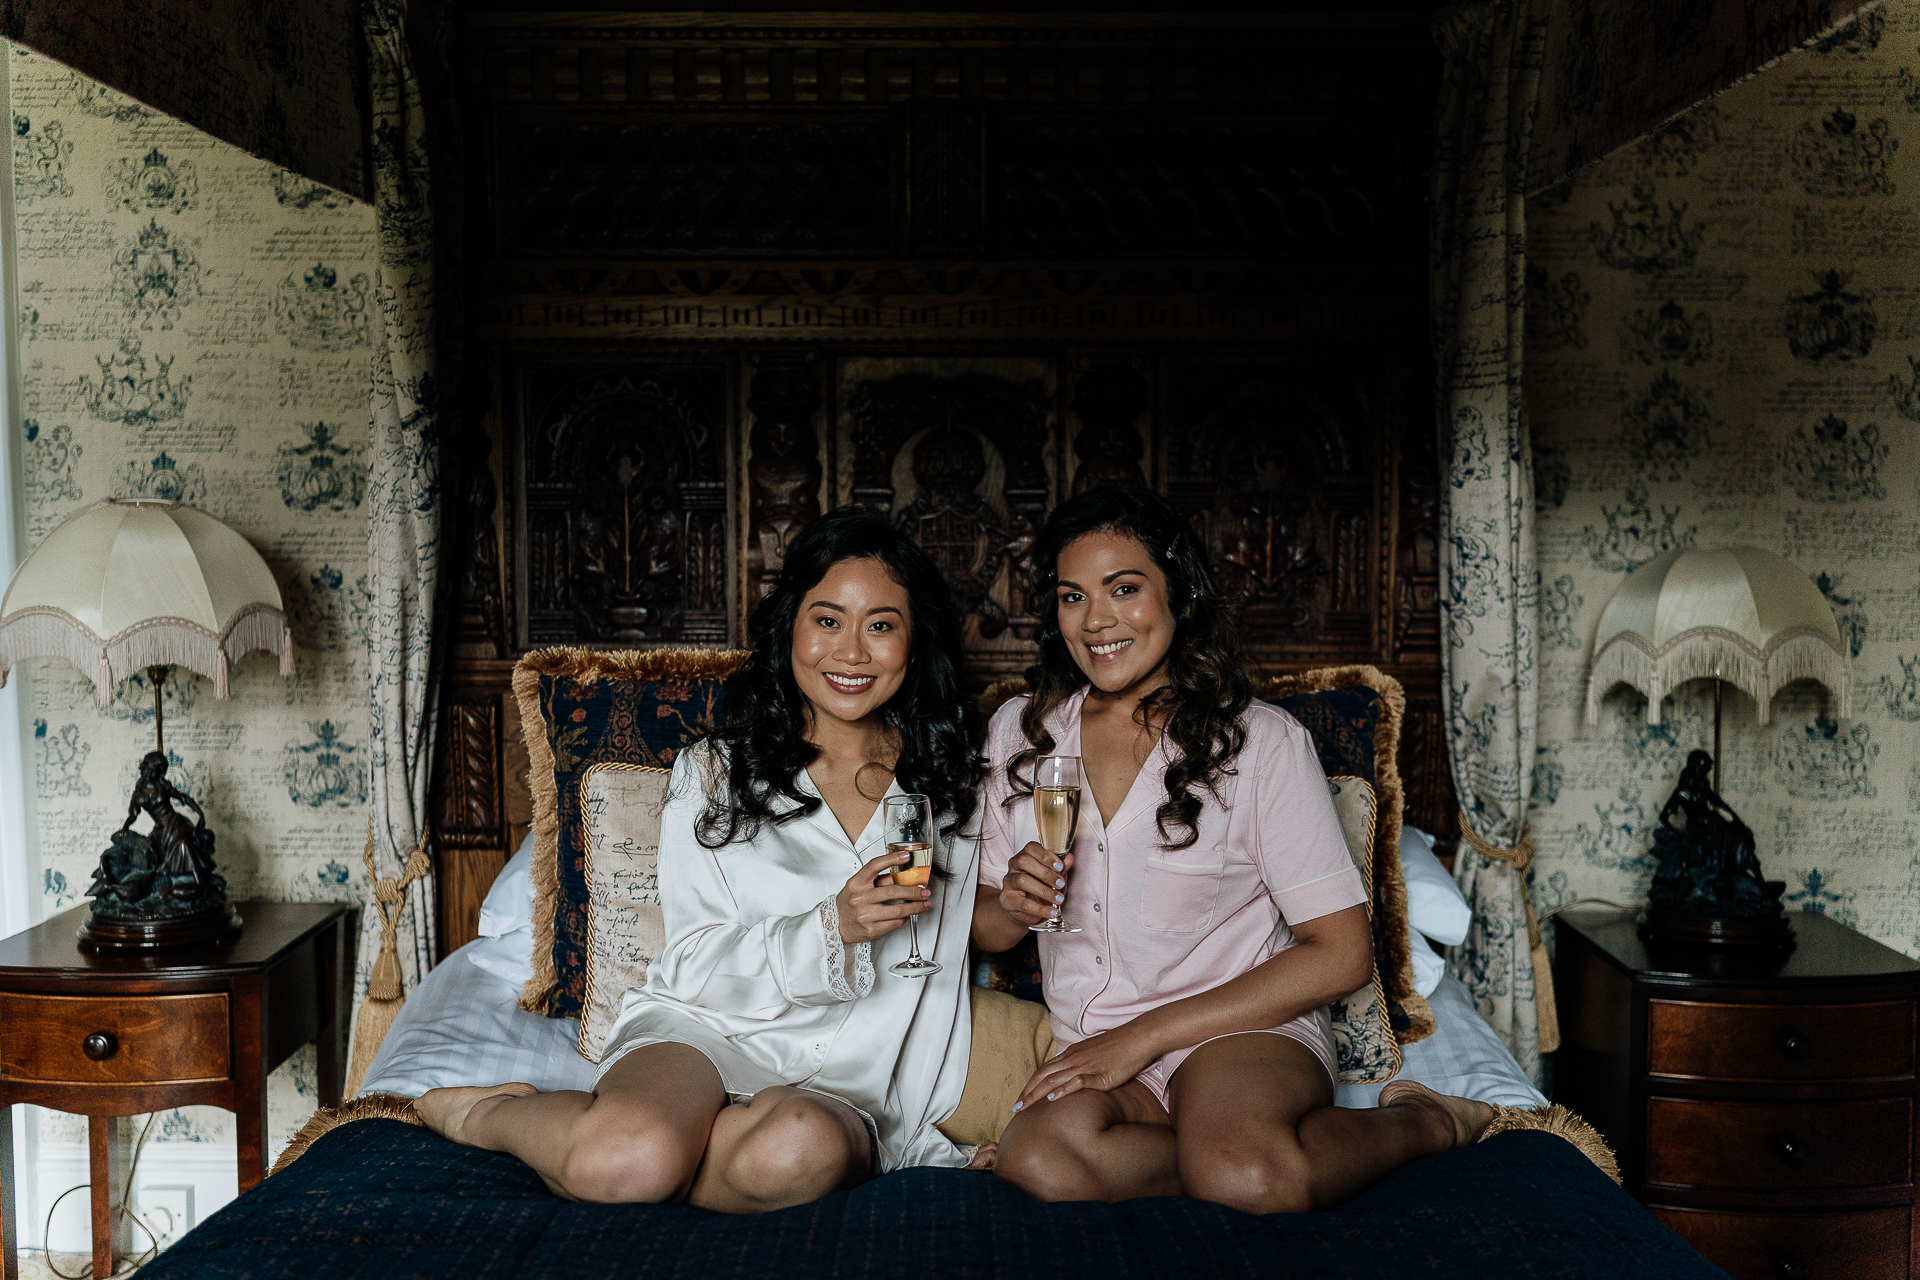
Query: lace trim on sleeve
(836,957)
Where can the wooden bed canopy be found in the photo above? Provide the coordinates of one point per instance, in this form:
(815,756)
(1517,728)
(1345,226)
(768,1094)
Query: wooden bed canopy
(725,275)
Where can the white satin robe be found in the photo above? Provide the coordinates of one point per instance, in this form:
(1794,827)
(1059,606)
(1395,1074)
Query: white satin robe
(755,975)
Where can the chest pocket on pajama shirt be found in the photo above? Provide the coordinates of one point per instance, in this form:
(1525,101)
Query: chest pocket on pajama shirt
(1181,897)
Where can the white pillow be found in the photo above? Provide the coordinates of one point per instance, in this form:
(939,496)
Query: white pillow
(509,903)
(1428,967)
(509,956)
(1434,904)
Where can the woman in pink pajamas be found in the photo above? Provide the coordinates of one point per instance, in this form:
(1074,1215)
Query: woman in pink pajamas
(1218,909)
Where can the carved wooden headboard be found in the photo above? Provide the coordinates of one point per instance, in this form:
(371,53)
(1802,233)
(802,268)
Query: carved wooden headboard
(731,273)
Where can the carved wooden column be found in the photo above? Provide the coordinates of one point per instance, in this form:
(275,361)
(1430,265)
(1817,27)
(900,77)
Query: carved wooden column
(783,461)
(470,813)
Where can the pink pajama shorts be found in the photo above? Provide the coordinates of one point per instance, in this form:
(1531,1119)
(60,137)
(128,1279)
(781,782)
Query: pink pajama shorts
(1314,1030)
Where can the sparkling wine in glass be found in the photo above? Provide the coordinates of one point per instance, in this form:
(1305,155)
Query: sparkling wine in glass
(1056,812)
(909,822)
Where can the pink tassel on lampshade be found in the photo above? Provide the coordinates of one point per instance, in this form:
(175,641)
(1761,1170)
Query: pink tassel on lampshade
(286,651)
(103,682)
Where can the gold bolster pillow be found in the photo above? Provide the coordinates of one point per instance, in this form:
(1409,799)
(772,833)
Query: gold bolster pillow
(1011,1038)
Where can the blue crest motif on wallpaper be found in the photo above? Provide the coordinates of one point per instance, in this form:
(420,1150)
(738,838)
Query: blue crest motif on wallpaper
(1819,762)
(1634,534)
(1831,322)
(40,160)
(1667,427)
(1834,462)
(326,771)
(155,276)
(1554,311)
(50,462)
(127,392)
(59,768)
(1848,612)
(95,99)
(1666,336)
(1814,895)
(325,611)
(1645,237)
(296,192)
(1841,157)
(1559,611)
(53,884)
(162,477)
(1617,838)
(1905,392)
(135,703)
(319,312)
(1903,695)
(153,184)
(322,473)
(1672,150)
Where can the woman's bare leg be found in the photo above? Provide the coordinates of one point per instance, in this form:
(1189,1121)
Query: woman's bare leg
(639,1136)
(1255,1128)
(658,1128)
(1092,1145)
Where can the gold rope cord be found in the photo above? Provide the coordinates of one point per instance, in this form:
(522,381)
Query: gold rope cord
(1520,857)
(386,991)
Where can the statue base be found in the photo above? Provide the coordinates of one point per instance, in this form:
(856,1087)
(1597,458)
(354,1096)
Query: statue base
(215,924)
(1661,924)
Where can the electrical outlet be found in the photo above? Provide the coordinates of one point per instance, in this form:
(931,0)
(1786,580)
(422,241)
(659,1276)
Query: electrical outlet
(167,1209)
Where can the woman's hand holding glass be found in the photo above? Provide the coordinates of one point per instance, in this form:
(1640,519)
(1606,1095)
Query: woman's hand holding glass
(871,906)
(1035,887)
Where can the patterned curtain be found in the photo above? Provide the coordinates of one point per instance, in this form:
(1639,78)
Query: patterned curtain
(1491,50)
(403,541)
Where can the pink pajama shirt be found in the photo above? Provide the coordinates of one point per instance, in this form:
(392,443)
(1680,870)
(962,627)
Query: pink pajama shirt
(1158,924)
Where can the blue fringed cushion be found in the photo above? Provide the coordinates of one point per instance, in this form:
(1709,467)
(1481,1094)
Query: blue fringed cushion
(580,708)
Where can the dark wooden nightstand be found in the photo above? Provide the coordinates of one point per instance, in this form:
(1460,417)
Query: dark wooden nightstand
(1762,1105)
(105,1034)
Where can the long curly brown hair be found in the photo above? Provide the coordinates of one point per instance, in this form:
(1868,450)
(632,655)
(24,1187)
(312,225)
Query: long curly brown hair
(1207,687)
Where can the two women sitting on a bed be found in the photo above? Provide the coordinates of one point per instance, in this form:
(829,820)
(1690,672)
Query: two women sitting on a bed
(771,1058)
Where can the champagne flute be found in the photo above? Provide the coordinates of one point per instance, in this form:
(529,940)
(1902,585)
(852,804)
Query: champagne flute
(909,827)
(1056,812)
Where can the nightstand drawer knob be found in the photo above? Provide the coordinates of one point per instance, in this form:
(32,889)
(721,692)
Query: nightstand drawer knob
(100,1046)
(1795,1047)
(1792,1152)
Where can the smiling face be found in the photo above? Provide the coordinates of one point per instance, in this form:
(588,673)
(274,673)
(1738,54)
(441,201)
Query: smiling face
(852,641)
(1114,612)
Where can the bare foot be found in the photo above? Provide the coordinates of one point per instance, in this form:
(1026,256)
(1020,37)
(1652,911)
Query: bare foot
(1468,1119)
(446,1111)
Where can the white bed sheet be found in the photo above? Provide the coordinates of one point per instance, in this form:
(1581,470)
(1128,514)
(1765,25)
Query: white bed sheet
(463,1025)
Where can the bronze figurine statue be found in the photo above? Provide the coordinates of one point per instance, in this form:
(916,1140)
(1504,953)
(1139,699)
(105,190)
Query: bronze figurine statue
(158,889)
(1708,886)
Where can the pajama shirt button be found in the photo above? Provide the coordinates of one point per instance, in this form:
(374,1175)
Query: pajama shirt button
(1098,960)
(1096,906)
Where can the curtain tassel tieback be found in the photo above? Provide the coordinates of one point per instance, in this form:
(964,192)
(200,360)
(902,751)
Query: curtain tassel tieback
(386,989)
(1520,857)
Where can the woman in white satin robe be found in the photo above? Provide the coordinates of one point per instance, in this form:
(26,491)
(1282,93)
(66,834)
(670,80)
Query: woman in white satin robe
(771,1058)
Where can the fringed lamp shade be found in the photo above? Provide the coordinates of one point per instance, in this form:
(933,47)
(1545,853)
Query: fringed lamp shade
(1736,613)
(127,584)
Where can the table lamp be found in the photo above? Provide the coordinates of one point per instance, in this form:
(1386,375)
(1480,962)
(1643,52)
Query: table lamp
(1735,614)
(133,583)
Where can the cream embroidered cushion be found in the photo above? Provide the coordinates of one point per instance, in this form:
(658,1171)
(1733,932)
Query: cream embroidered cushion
(1363,1037)
(620,807)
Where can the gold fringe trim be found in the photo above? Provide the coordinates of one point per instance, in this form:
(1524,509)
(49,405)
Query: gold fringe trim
(1561,1123)
(386,989)
(641,666)
(374,1106)
(1390,889)
(1546,1009)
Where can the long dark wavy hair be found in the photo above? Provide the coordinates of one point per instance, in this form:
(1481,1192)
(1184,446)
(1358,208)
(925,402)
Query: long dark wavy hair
(1207,686)
(764,722)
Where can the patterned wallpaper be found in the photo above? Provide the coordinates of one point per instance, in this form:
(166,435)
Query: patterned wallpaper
(194,326)
(1723,346)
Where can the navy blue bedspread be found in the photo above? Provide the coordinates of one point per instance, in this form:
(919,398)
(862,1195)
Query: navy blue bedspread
(382,1199)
